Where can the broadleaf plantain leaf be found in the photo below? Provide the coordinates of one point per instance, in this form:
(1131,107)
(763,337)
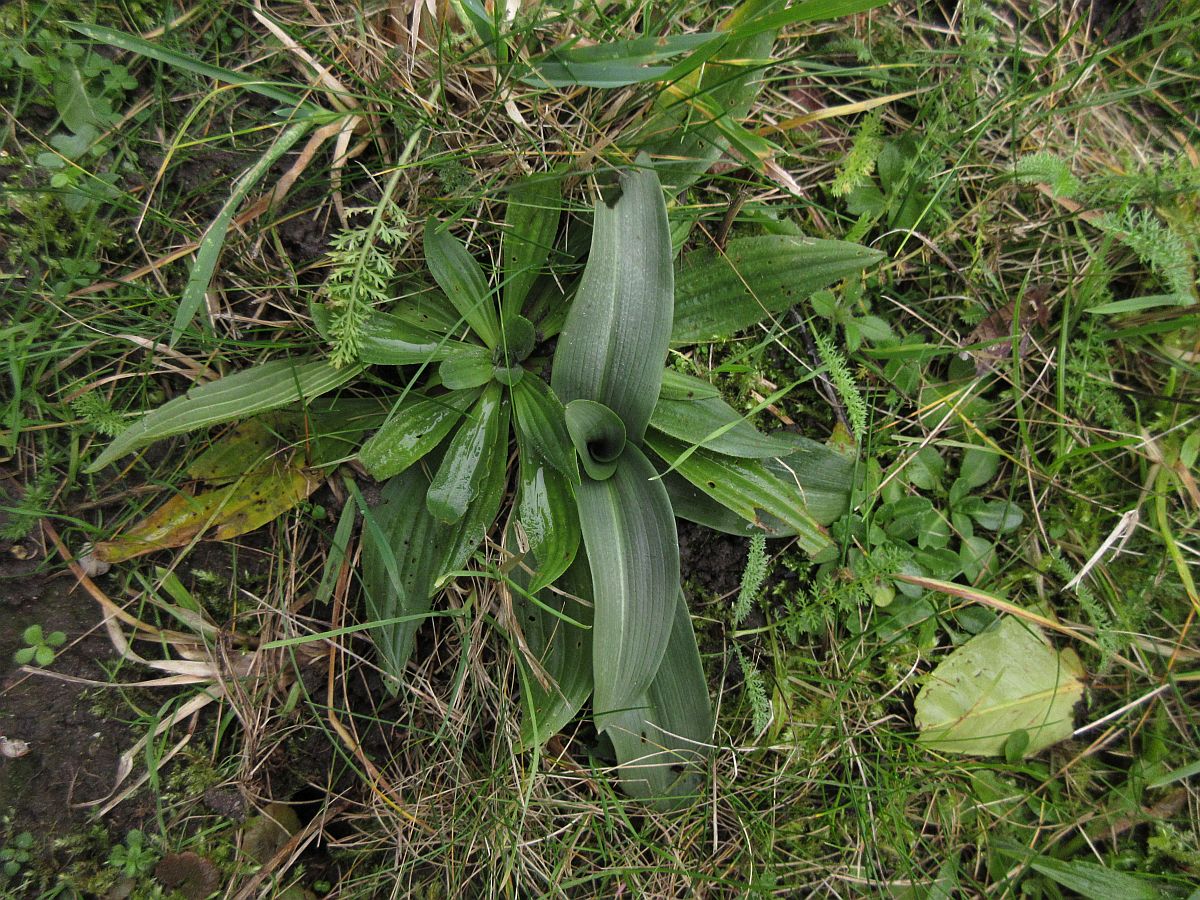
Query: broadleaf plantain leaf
(720,294)
(457,479)
(546,511)
(389,340)
(542,426)
(241,395)
(1005,679)
(469,369)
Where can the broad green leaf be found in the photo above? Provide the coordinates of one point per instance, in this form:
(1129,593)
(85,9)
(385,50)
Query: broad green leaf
(428,309)
(748,488)
(664,738)
(403,552)
(692,504)
(413,432)
(629,535)
(243,449)
(238,396)
(80,109)
(459,275)
(542,425)
(598,435)
(530,226)
(390,340)
(808,11)
(614,343)
(562,652)
(492,481)
(471,368)
(716,426)
(677,386)
(457,480)
(825,476)
(128,42)
(546,511)
(517,339)
(614,64)
(1000,516)
(213,241)
(720,294)
(979,466)
(1005,679)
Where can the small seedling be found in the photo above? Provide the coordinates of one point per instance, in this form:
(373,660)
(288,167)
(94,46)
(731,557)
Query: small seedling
(17,855)
(132,858)
(40,647)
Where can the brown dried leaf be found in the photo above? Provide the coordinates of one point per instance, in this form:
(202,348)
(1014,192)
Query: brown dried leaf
(991,341)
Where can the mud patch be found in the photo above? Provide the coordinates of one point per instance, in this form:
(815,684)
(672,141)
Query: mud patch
(74,743)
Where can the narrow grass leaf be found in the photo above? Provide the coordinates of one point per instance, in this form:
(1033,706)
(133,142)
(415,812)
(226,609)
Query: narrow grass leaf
(213,241)
(629,535)
(133,44)
(238,396)
(720,294)
(614,342)
(614,64)
(459,275)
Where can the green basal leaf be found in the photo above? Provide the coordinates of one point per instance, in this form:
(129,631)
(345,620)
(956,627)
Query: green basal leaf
(747,488)
(1005,679)
(629,535)
(413,432)
(542,425)
(531,224)
(677,386)
(389,340)
(562,652)
(428,309)
(238,396)
(516,341)
(469,369)
(546,511)
(718,295)
(598,435)
(614,64)
(692,504)
(713,424)
(492,480)
(457,478)
(664,739)
(614,342)
(459,275)
(403,549)
(824,476)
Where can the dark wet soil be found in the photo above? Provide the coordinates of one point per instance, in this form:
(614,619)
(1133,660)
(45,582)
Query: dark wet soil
(74,739)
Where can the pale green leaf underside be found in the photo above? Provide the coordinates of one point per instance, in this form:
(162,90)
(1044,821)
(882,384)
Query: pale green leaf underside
(238,396)
(1005,679)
